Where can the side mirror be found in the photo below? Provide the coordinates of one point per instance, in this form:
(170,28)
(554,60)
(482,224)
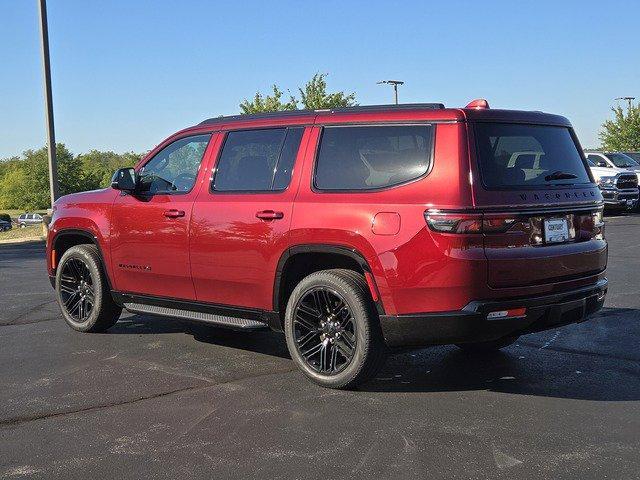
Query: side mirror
(125,179)
(602,163)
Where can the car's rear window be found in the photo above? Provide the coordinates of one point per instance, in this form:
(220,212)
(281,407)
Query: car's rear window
(512,156)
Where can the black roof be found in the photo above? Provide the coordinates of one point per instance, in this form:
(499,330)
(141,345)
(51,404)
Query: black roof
(295,113)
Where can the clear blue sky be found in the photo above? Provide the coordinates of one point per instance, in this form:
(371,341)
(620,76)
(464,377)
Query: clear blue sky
(127,73)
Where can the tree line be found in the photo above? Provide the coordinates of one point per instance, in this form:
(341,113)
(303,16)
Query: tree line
(24,180)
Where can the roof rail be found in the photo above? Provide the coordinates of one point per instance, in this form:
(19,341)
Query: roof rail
(294,113)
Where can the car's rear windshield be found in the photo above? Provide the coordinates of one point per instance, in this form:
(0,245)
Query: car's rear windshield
(514,155)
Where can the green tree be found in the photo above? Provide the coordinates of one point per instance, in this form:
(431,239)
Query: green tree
(25,183)
(313,96)
(268,103)
(623,132)
(98,167)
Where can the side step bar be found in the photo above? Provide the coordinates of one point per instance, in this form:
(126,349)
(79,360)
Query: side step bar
(221,320)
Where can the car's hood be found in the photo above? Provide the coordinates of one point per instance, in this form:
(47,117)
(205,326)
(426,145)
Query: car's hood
(105,195)
(599,172)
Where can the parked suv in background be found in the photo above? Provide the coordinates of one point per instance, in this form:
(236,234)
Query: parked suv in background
(351,230)
(617,176)
(29,219)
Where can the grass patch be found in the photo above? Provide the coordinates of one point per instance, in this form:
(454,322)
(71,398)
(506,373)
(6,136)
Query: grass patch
(17,233)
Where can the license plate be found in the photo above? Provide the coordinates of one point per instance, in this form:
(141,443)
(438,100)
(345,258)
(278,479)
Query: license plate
(556,230)
(629,203)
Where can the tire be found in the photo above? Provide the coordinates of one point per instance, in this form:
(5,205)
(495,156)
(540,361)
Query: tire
(488,347)
(354,324)
(74,295)
(22,225)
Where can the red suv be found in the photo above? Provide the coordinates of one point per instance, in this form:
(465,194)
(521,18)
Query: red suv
(351,230)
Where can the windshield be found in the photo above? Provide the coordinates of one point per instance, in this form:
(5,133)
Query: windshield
(621,160)
(512,155)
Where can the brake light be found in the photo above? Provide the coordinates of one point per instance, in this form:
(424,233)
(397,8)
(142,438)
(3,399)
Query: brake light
(478,104)
(597,218)
(468,223)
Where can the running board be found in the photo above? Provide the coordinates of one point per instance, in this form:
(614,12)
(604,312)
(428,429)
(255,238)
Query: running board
(220,320)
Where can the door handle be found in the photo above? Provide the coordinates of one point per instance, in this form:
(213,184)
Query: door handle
(173,213)
(269,215)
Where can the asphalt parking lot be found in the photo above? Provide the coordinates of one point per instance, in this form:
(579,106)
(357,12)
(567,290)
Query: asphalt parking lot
(157,398)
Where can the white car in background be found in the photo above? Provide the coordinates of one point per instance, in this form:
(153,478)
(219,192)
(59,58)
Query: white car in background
(619,186)
(613,160)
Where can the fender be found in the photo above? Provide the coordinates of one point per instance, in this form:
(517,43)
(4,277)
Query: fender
(320,248)
(89,236)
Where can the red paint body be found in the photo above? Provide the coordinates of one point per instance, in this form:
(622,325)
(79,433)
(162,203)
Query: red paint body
(221,252)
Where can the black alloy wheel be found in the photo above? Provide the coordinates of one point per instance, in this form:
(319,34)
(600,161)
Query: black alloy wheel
(76,290)
(325,331)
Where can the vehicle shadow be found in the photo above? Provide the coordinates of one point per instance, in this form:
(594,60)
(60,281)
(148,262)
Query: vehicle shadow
(260,341)
(595,360)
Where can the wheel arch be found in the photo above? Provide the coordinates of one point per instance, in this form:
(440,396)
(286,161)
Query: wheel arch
(301,260)
(71,237)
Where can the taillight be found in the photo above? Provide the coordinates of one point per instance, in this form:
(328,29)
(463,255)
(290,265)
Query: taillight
(468,223)
(598,224)
(454,222)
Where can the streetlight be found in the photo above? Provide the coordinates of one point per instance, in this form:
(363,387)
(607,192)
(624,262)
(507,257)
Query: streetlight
(628,99)
(48,103)
(395,84)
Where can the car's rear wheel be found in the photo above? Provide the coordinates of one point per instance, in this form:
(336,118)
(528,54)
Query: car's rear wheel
(82,291)
(490,346)
(332,329)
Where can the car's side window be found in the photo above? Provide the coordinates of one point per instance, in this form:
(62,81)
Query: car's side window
(598,160)
(174,168)
(372,157)
(257,160)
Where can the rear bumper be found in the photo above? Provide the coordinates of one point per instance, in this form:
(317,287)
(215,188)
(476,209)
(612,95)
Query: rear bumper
(471,325)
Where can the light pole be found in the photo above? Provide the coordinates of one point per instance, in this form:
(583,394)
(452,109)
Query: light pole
(48,102)
(395,84)
(629,101)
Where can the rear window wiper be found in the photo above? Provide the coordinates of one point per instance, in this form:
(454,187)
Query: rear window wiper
(558,175)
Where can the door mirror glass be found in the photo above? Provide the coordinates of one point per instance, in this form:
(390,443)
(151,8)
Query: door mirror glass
(124,179)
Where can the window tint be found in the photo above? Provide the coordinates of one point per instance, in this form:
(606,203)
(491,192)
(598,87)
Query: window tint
(365,158)
(174,168)
(257,160)
(513,155)
(621,160)
(287,158)
(597,160)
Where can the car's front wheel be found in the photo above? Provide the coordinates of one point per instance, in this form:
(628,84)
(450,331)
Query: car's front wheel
(332,329)
(83,292)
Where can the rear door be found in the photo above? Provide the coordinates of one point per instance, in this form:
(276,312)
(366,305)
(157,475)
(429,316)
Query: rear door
(542,212)
(241,220)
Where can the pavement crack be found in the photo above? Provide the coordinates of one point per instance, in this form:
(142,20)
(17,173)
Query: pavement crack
(14,421)
(11,422)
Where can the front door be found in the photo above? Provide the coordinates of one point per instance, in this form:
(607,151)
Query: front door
(240,223)
(150,230)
